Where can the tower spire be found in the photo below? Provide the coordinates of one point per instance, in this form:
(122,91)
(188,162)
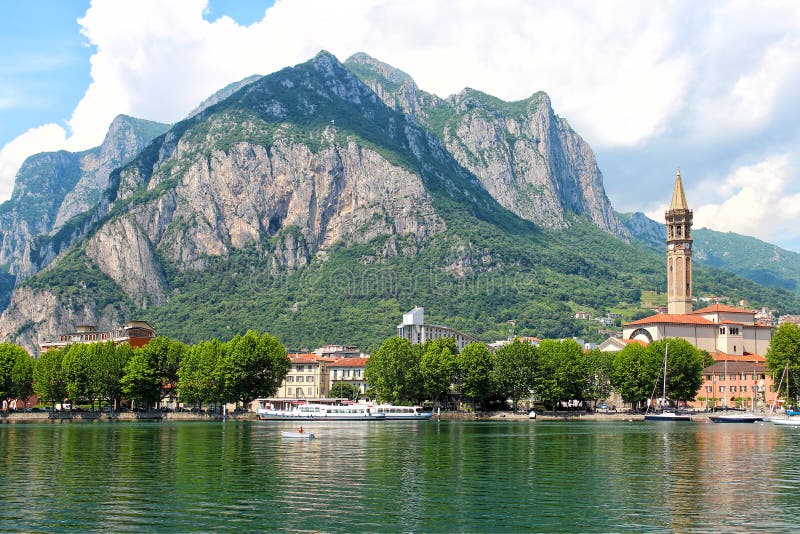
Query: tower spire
(678,196)
(679,251)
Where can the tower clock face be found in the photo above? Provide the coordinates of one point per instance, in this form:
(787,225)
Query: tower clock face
(671,246)
(688,246)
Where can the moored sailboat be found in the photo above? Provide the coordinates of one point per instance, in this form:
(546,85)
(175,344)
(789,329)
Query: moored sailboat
(666,415)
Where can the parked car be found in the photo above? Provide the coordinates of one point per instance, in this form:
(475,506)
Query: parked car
(603,407)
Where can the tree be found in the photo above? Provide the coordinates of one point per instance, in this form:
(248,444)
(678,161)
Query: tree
(109,368)
(558,374)
(475,370)
(48,381)
(393,371)
(22,376)
(514,372)
(258,363)
(438,367)
(77,373)
(141,382)
(597,367)
(784,349)
(167,354)
(11,357)
(684,367)
(345,390)
(635,372)
(201,373)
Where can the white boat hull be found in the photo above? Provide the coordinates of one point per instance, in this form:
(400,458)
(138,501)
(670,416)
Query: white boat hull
(297,435)
(792,421)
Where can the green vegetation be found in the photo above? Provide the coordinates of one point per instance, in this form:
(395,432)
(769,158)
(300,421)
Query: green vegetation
(16,372)
(784,351)
(638,371)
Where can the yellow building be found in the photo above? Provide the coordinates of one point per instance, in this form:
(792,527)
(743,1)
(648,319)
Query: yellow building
(308,377)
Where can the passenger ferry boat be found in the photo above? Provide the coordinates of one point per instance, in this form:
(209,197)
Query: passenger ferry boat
(402,413)
(323,412)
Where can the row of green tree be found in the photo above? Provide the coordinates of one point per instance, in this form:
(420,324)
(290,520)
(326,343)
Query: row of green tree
(553,373)
(239,370)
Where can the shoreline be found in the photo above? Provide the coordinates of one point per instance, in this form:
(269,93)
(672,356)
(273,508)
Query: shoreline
(79,417)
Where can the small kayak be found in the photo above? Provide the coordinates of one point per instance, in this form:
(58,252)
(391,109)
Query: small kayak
(297,435)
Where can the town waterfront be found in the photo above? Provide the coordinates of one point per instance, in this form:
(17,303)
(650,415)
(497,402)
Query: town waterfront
(399,476)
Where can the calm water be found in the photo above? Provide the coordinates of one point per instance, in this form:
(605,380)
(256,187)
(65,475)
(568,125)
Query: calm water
(387,476)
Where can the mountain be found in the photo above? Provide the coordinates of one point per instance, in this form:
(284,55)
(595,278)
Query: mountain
(529,159)
(53,187)
(751,258)
(304,205)
(222,94)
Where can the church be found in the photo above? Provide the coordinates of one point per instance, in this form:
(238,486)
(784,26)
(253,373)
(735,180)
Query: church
(733,337)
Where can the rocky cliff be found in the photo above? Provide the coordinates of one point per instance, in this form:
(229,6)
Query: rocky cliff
(529,159)
(52,188)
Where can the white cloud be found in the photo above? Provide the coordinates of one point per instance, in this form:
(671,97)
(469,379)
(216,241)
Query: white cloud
(761,200)
(44,138)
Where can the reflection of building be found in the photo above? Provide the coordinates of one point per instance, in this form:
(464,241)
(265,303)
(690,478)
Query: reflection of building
(416,331)
(134,333)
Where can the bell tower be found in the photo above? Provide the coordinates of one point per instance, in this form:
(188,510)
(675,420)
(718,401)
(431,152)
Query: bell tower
(679,252)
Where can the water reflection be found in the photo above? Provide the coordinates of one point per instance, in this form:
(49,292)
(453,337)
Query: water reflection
(387,476)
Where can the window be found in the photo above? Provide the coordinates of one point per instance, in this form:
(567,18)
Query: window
(334,373)
(310,392)
(722,377)
(722,330)
(299,368)
(310,378)
(347,373)
(722,389)
(733,389)
(299,392)
(290,379)
(733,378)
(708,377)
(309,368)
(708,389)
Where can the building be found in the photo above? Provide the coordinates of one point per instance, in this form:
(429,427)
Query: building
(716,328)
(734,337)
(349,371)
(338,351)
(307,377)
(134,333)
(679,251)
(416,331)
(736,382)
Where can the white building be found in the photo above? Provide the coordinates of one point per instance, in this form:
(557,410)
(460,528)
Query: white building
(416,331)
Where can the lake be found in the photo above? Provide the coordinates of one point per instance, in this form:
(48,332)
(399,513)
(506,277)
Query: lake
(400,477)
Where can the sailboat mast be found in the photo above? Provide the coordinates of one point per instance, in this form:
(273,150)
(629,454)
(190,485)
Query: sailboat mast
(664,389)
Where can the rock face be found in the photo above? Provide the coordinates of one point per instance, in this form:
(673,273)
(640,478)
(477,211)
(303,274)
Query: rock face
(53,187)
(526,157)
(203,190)
(652,233)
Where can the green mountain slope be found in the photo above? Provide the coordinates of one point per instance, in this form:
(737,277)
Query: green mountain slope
(304,206)
(748,257)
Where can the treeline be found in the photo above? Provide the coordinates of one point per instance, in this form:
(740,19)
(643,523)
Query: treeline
(236,371)
(553,372)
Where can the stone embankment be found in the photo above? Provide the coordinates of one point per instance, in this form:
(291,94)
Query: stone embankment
(58,417)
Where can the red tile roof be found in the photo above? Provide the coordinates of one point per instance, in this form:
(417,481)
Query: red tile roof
(672,318)
(350,362)
(714,308)
(746,357)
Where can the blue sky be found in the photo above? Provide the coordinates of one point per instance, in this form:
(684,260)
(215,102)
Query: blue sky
(709,86)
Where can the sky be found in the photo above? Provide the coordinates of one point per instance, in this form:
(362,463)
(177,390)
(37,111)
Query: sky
(710,87)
